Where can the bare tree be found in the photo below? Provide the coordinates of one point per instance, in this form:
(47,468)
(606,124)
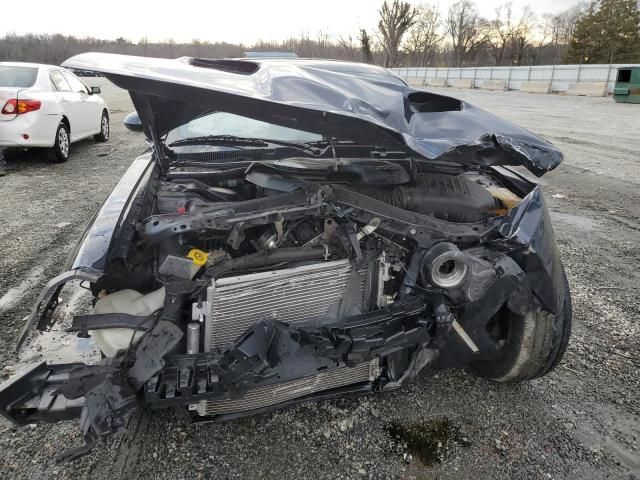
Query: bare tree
(304,46)
(564,27)
(322,44)
(508,33)
(465,27)
(349,46)
(365,46)
(424,36)
(544,30)
(395,19)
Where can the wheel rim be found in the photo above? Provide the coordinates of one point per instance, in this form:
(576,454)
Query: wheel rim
(105,126)
(63,141)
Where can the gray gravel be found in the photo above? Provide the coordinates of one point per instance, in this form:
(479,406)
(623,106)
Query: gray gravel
(579,422)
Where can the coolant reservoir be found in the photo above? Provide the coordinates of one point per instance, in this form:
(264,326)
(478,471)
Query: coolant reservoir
(130,302)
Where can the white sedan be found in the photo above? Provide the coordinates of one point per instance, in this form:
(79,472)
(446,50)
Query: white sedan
(46,106)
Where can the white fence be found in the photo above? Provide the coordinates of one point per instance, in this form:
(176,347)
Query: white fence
(559,77)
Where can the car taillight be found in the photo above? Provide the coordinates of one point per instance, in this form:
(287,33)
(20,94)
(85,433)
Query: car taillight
(18,107)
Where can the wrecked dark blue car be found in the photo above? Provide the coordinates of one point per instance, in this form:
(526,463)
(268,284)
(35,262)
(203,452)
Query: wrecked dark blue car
(299,229)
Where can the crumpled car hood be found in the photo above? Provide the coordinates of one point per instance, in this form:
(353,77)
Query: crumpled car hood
(346,101)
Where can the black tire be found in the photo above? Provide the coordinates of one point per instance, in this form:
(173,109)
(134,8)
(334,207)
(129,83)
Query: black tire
(62,146)
(534,344)
(10,153)
(103,136)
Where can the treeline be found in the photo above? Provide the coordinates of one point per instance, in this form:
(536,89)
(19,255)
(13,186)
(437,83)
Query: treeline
(54,49)
(607,31)
(597,32)
(406,35)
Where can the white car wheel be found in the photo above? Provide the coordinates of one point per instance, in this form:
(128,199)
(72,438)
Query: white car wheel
(103,136)
(62,146)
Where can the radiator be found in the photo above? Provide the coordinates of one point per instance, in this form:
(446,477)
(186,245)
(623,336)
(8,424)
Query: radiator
(294,295)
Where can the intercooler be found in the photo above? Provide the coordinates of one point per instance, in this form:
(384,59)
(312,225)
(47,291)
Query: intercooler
(310,293)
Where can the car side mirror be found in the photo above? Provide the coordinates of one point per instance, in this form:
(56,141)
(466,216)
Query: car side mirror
(132,122)
(95,90)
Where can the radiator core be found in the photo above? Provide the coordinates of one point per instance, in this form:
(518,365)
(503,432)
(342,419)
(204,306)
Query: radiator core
(292,295)
(315,292)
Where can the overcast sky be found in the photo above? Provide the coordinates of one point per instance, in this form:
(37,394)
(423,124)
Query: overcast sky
(236,21)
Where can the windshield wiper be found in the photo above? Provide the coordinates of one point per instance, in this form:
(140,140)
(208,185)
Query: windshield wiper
(220,140)
(232,140)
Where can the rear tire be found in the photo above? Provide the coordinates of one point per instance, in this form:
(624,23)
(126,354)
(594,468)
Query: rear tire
(534,344)
(103,136)
(62,146)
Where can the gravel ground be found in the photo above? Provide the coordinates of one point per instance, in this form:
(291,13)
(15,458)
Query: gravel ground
(579,422)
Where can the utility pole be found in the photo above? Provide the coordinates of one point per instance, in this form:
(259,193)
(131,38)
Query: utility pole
(609,70)
(579,70)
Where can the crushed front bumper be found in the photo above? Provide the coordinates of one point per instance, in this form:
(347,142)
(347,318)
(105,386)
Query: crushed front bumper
(31,395)
(267,354)
(407,336)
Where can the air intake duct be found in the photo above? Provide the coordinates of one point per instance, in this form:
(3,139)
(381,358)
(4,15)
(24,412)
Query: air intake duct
(446,197)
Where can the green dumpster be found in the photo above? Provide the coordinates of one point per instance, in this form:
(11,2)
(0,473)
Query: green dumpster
(627,87)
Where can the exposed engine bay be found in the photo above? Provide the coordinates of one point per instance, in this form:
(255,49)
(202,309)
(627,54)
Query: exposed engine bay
(299,262)
(302,265)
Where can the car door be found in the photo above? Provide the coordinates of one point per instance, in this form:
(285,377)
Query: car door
(71,104)
(89,105)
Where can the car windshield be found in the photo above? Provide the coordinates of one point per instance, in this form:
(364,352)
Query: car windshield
(223,123)
(20,77)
